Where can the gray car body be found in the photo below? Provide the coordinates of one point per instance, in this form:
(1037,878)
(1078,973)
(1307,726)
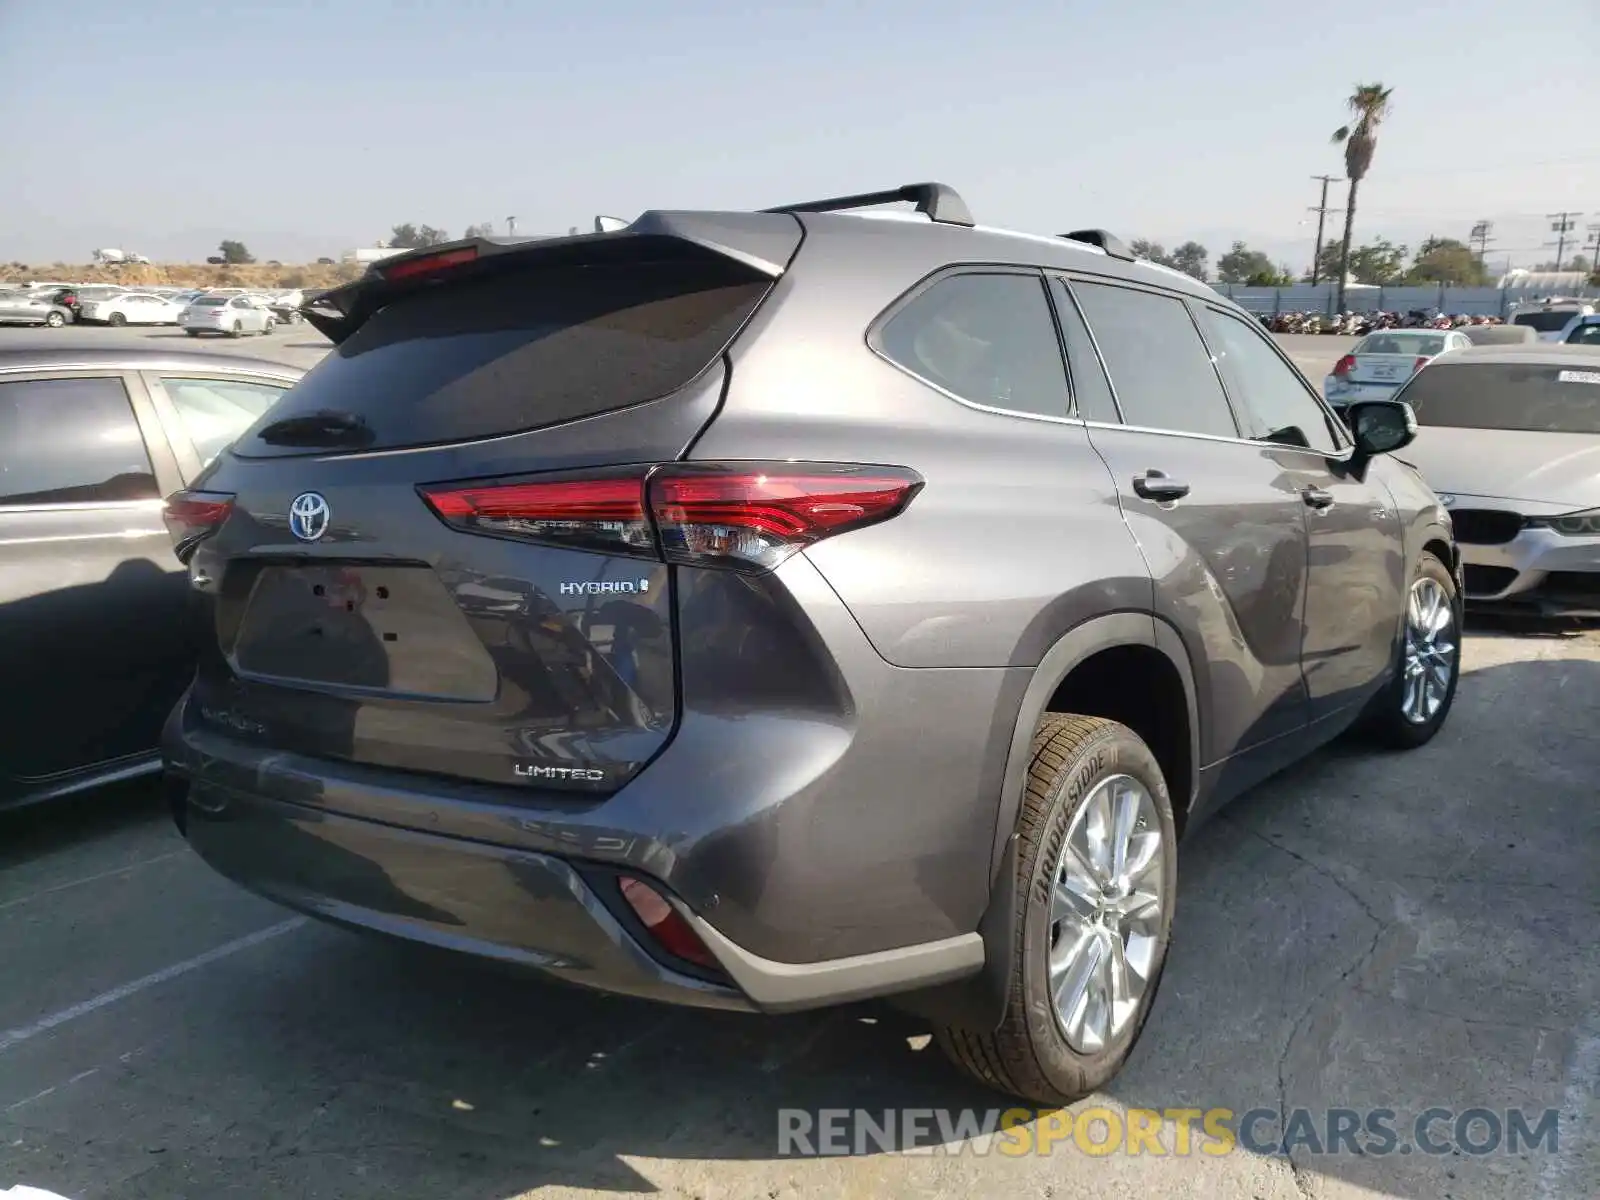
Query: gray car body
(21,308)
(847,833)
(77,579)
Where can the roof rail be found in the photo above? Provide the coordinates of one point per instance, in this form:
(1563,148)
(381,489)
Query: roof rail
(939,201)
(1111,244)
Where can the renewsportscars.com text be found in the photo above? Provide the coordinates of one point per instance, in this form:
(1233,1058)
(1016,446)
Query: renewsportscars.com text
(1101,1131)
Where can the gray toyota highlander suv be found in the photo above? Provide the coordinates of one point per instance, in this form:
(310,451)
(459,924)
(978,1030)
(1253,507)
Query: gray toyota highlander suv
(771,610)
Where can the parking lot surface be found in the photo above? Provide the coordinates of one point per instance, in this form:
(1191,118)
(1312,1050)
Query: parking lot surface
(1366,931)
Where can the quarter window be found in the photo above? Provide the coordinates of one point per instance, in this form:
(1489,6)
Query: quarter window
(988,339)
(71,441)
(1273,401)
(1160,368)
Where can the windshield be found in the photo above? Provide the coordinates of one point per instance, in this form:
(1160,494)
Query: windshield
(1415,345)
(1548,321)
(1536,396)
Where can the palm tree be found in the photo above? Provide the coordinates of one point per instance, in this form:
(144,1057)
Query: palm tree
(1370,104)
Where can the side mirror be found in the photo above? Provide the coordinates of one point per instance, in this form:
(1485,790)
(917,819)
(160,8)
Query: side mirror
(1380,426)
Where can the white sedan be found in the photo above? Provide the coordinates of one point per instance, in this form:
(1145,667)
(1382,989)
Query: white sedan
(129,308)
(232,315)
(1380,364)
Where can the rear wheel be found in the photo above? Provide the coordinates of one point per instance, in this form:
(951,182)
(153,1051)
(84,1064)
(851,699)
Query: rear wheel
(1097,870)
(237,330)
(1414,705)
(192,332)
(55,320)
(117,320)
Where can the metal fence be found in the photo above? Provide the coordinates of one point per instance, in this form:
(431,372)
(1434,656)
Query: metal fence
(1322,298)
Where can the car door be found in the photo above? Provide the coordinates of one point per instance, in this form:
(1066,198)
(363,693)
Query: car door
(93,646)
(247,314)
(1356,556)
(205,411)
(1217,516)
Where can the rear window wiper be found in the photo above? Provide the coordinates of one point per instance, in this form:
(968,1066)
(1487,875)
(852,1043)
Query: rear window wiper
(325,428)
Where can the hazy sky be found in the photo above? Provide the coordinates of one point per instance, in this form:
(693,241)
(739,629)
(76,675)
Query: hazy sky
(305,128)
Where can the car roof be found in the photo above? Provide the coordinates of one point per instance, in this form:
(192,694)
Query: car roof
(1538,354)
(41,356)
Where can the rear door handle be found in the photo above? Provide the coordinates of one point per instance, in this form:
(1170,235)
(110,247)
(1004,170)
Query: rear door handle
(1316,497)
(1155,485)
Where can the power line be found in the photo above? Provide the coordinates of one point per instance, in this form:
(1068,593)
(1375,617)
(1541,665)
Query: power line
(1561,224)
(1322,210)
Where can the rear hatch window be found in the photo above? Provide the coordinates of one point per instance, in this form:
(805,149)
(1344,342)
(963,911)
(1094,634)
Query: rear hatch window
(522,349)
(1550,321)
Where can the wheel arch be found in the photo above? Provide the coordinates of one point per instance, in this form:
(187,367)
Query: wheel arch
(979,1002)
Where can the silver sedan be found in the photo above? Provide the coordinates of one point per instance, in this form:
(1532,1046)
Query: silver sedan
(19,308)
(234,316)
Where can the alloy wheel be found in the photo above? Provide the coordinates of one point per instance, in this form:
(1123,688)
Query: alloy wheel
(1430,651)
(1108,907)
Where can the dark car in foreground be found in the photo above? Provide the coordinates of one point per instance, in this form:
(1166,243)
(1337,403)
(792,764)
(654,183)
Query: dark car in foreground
(95,644)
(771,610)
(1511,439)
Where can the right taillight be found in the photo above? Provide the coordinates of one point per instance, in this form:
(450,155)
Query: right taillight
(756,515)
(1345,365)
(191,517)
(741,515)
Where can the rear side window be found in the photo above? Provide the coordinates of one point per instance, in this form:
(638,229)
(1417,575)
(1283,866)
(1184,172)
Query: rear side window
(71,441)
(988,339)
(215,411)
(526,349)
(1159,367)
(1585,335)
(1537,397)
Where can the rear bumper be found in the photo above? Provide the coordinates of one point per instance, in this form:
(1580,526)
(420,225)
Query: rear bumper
(558,915)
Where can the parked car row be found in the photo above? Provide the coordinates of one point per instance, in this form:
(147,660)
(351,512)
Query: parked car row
(247,311)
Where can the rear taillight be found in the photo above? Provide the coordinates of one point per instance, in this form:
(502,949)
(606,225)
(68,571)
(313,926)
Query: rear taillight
(670,929)
(429,264)
(585,514)
(191,517)
(1345,365)
(1421,362)
(747,516)
(757,516)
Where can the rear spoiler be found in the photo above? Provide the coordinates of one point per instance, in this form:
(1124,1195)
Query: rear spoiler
(763,242)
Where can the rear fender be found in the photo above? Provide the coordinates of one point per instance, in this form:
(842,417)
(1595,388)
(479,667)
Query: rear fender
(979,1002)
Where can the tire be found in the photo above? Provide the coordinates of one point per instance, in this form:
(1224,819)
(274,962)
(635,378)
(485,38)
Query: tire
(266,329)
(192,332)
(236,331)
(1385,720)
(1030,1055)
(55,320)
(116,320)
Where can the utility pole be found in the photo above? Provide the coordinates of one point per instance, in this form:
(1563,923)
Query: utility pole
(1561,224)
(511,227)
(1480,238)
(1594,249)
(1322,210)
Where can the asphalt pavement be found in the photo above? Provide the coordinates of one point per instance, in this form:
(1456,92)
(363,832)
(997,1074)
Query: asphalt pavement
(1367,931)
